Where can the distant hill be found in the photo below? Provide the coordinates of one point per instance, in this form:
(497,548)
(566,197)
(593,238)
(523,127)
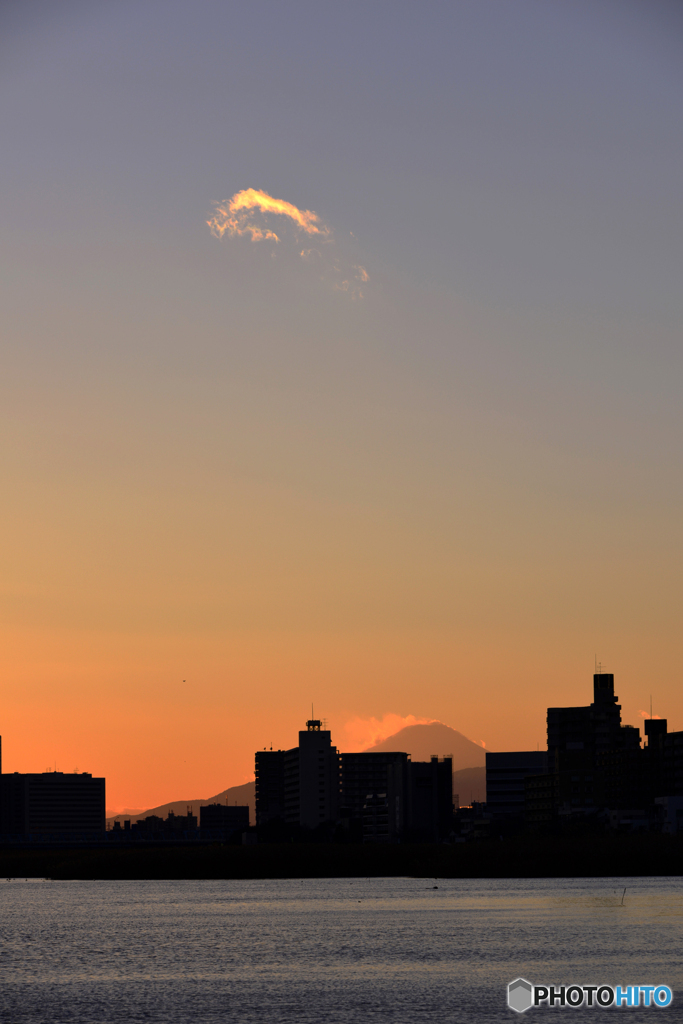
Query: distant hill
(242,795)
(423,741)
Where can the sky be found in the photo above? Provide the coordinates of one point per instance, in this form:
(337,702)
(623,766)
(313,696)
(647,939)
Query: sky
(405,446)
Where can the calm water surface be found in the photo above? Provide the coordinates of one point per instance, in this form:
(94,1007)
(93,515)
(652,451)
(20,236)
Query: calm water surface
(336,950)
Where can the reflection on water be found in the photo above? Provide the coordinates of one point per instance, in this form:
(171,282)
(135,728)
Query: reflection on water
(338,950)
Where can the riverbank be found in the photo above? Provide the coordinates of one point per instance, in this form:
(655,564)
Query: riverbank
(519,857)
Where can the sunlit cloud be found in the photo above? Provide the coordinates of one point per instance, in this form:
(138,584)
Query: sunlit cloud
(366,732)
(254,214)
(237,216)
(646,714)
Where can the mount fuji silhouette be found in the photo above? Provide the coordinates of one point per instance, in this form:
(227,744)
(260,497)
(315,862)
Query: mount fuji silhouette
(425,741)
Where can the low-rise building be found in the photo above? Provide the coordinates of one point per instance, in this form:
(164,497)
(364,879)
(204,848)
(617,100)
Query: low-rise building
(52,803)
(506,772)
(226,817)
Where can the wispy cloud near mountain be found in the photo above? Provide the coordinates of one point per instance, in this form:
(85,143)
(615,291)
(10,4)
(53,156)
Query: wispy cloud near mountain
(362,733)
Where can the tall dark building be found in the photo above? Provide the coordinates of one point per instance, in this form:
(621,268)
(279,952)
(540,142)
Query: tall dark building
(51,803)
(270,786)
(577,735)
(310,780)
(663,759)
(597,759)
(430,799)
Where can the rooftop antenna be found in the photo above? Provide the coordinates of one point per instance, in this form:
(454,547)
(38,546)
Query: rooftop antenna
(650,705)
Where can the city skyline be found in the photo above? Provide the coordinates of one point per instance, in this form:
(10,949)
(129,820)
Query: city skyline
(340,363)
(418,739)
(595,767)
(356,734)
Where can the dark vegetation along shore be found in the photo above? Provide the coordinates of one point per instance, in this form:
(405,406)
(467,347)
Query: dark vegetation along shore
(518,857)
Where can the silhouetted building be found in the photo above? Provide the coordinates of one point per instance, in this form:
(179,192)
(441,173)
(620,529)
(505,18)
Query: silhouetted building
(541,802)
(181,822)
(394,798)
(663,759)
(505,780)
(598,771)
(151,823)
(362,777)
(597,760)
(379,796)
(577,735)
(429,815)
(472,822)
(270,786)
(311,781)
(175,826)
(226,817)
(51,803)
(669,814)
(629,819)
(379,819)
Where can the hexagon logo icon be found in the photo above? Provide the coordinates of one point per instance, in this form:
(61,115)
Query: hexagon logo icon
(520,995)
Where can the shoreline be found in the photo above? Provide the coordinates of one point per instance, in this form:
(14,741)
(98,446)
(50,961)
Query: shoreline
(515,857)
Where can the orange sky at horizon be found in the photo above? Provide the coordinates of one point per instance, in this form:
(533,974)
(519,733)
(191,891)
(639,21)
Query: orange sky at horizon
(157,739)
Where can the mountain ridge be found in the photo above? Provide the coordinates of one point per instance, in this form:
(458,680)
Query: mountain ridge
(244,795)
(420,741)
